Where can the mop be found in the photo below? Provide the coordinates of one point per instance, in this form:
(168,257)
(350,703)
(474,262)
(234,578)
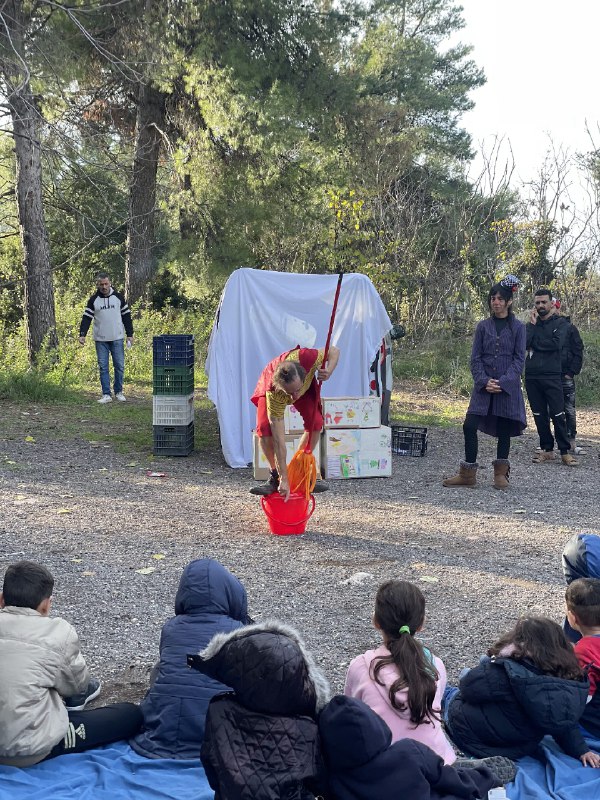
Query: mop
(302,469)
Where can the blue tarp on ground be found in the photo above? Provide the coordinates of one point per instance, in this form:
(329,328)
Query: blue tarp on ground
(555,775)
(115,772)
(118,773)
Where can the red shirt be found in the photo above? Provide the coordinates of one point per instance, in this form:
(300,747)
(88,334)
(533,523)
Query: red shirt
(277,399)
(587,650)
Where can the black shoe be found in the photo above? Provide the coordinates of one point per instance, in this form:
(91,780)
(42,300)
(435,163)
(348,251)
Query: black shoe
(78,702)
(320,486)
(503,768)
(264,489)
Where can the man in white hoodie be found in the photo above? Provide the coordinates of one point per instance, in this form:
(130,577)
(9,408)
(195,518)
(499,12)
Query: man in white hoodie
(111,315)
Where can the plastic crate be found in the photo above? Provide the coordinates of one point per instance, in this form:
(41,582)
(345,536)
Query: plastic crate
(408,440)
(176,350)
(172,410)
(173,380)
(173,440)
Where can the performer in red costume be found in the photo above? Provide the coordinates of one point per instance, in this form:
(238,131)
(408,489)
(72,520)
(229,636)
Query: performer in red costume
(291,378)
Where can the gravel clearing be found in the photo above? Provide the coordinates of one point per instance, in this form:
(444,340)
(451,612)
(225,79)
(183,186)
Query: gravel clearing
(93,517)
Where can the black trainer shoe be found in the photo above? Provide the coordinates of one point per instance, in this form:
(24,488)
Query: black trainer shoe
(503,768)
(267,488)
(320,486)
(263,489)
(78,702)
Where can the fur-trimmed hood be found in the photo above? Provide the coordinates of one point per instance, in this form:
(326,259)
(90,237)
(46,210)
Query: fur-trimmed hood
(269,668)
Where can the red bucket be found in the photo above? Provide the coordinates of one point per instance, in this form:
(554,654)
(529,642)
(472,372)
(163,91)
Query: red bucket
(286,518)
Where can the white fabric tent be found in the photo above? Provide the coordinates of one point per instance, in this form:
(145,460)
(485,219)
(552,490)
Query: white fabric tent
(262,314)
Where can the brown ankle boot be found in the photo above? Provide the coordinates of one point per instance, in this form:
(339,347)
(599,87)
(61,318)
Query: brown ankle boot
(501,473)
(466,475)
(569,461)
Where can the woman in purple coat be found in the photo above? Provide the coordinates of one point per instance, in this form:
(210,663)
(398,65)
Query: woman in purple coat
(496,407)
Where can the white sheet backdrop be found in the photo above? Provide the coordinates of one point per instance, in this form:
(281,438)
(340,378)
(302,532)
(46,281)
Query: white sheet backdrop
(261,314)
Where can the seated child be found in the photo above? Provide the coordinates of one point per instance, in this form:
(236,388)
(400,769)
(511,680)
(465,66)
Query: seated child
(583,613)
(530,686)
(580,559)
(41,665)
(261,740)
(402,680)
(363,764)
(209,600)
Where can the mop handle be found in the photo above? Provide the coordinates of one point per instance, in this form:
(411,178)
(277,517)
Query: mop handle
(332,320)
(307,449)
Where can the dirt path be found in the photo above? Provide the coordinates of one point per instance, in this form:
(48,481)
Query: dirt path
(94,518)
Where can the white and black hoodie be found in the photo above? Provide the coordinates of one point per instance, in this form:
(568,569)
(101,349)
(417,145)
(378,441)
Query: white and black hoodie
(110,314)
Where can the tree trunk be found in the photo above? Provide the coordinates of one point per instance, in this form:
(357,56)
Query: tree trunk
(141,261)
(39,292)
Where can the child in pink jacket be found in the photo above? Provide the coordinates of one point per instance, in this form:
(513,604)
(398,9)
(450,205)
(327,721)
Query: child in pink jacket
(402,681)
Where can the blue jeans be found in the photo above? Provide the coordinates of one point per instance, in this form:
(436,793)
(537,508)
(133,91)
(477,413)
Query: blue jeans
(450,693)
(117,350)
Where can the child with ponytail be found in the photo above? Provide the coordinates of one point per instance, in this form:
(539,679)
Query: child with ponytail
(402,681)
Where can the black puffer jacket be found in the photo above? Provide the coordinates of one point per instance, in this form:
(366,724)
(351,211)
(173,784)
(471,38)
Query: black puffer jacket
(506,707)
(261,741)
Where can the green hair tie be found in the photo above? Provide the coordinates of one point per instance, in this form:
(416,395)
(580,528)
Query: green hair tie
(404,629)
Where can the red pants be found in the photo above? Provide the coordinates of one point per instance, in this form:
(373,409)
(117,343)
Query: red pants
(309,407)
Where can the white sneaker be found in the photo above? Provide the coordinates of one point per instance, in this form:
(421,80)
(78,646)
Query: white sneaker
(120,396)
(106,398)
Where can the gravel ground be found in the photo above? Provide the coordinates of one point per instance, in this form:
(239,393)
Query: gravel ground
(481,556)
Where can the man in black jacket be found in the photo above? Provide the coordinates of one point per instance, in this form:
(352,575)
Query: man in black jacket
(572,361)
(546,335)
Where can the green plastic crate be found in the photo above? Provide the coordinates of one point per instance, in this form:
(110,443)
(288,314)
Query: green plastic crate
(173,380)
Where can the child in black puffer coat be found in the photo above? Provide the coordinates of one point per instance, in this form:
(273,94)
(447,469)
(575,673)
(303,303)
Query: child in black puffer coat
(261,740)
(530,687)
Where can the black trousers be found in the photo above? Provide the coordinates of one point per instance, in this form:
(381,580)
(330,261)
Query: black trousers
(98,726)
(470,427)
(547,402)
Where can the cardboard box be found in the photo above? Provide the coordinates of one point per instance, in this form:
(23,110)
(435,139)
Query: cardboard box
(292,420)
(357,453)
(292,445)
(351,412)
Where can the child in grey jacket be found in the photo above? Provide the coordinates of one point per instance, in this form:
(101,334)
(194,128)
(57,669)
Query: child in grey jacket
(41,665)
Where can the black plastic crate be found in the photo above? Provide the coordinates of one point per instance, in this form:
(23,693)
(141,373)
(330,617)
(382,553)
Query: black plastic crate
(173,350)
(408,440)
(173,440)
(173,380)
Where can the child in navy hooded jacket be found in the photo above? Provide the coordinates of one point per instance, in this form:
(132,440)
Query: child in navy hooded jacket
(209,600)
(363,764)
(530,686)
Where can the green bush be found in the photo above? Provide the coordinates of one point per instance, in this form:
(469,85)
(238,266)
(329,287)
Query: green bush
(444,364)
(588,383)
(60,374)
